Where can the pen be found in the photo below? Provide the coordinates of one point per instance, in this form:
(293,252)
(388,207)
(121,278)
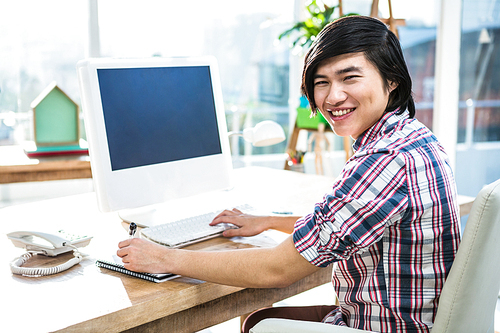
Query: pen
(282,212)
(132,229)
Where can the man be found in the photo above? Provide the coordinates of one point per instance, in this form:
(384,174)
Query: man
(391,219)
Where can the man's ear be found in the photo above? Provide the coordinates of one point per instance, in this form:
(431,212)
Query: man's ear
(392,85)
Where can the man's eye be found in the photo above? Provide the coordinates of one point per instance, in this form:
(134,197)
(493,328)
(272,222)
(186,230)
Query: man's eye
(350,77)
(317,83)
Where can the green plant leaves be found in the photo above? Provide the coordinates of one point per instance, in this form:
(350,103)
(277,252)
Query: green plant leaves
(306,31)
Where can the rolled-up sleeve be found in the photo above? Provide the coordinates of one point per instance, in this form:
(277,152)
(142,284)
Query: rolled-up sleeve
(368,196)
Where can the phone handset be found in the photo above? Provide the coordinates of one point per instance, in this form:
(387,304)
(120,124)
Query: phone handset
(47,244)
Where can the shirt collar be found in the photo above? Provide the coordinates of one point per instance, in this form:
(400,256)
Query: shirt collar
(379,127)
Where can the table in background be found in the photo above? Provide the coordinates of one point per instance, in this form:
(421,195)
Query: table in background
(16,167)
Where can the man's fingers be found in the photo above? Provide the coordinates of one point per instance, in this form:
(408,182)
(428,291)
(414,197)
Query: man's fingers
(224,219)
(232,233)
(124,243)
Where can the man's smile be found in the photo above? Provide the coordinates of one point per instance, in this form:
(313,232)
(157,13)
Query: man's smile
(338,113)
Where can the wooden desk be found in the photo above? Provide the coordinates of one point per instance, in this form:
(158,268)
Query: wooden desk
(88,299)
(16,167)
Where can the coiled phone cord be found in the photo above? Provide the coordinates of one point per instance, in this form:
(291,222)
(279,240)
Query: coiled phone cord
(15,265)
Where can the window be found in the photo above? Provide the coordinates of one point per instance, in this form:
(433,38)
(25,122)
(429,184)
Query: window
(479,114)
(41,43)
(478,136)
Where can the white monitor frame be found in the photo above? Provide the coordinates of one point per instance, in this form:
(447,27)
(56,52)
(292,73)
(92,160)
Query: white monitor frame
(152,184)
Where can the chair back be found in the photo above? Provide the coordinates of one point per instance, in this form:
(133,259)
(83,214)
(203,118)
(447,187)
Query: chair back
(469,297)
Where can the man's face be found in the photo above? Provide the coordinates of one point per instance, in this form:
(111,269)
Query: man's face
(350,93)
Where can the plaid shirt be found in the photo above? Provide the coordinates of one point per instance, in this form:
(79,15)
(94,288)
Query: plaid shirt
(391,224)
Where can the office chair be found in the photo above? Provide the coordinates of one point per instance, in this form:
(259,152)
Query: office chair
(468,300)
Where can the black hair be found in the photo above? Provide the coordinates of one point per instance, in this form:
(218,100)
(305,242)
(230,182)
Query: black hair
(353,34)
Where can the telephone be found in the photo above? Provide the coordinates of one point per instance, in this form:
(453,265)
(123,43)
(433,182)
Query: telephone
(47,244)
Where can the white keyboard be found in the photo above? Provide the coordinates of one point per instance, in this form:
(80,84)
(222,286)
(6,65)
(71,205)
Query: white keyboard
(190,230)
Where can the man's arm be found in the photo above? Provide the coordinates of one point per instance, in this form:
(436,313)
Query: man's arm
(279,266)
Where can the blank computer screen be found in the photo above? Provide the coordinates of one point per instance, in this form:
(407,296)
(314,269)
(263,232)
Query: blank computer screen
(157,115)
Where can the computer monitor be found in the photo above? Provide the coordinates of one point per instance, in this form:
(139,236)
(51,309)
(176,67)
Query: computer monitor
(156,129)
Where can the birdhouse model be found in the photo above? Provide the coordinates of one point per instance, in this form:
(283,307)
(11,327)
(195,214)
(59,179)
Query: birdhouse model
(55,117)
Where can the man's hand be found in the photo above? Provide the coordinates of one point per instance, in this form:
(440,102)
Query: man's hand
(140,255)
(248,225)
(251,225)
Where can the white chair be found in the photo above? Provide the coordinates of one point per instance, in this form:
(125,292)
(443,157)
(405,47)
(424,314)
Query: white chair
(468,300)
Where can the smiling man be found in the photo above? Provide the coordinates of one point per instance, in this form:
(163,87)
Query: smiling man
(390,220)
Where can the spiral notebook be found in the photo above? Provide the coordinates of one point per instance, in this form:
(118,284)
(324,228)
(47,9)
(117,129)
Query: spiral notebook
(116,265)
